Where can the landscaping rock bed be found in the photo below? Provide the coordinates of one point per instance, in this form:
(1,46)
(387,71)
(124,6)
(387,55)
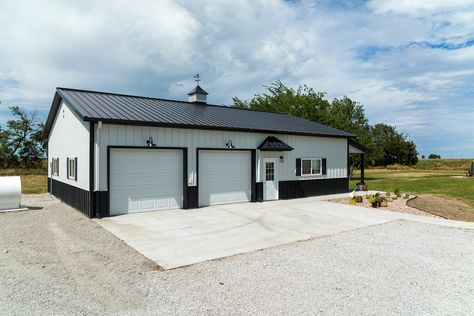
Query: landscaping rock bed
(395,204)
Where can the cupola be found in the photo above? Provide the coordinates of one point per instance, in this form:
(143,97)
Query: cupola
(198,94)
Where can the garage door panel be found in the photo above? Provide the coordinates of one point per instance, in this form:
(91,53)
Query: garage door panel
(224,177)
(145,180)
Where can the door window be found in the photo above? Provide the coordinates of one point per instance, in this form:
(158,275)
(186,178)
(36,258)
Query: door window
(269,171)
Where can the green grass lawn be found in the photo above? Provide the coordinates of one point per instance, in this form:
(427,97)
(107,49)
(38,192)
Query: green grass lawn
(33,181)
(446,184)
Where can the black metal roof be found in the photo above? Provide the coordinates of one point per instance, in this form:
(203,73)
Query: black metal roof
(115,108)
(271,143)
(197,90)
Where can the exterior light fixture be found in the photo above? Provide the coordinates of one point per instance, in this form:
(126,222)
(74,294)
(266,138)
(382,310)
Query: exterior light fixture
(150,143)
(229,144)
(282,159)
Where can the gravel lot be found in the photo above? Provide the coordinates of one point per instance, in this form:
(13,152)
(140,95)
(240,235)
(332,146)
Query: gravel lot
(54,261)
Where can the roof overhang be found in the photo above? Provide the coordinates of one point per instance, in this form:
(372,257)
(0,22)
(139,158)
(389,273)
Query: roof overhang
(356,148)
(271,143)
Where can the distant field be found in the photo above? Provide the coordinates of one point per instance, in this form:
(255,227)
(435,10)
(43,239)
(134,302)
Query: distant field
(33,181)
(444,164)
(435,164)
(456,190)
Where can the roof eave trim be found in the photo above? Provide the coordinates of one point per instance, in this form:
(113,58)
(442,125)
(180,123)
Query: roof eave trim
(209,127)
(358,146)
(276,149)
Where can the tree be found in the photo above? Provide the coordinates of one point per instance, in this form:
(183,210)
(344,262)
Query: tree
(434,156)
(384,142)
(422,156)
(21,143)
(390,147)
(306,103)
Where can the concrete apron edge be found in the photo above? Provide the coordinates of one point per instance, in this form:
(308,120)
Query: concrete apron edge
(310,237)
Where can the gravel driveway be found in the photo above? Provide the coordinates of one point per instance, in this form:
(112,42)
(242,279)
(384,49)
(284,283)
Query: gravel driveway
(56,261)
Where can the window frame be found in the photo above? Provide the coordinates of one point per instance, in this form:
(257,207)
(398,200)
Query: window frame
(55,167)
(72,168)
(311,160)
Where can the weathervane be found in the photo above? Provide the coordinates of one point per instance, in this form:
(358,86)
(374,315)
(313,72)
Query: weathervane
(197,78)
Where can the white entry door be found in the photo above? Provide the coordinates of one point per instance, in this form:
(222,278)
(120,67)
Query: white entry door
(143,180)
(270,190)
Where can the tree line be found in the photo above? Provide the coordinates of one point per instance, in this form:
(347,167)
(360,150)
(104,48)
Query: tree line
(385,143)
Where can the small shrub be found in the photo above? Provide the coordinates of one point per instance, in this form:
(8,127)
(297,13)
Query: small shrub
(407,196)
(359,199)
(353,201)
(396,191)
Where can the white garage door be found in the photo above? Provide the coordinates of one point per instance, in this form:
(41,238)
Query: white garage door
(143,180)
(224,177)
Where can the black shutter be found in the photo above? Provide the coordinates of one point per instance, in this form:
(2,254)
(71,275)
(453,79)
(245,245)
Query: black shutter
(75,166)
(324,166)
(298,166)
(58,166)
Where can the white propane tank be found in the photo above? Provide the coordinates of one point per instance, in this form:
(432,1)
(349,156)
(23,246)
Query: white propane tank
(10,193)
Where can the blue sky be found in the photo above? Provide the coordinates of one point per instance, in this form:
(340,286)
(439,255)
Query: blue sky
(410,63)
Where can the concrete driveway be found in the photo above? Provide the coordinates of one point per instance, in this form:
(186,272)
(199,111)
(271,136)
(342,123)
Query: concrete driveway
(178,238)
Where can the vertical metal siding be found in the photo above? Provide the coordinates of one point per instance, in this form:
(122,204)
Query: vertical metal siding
(333,149)
(69,138)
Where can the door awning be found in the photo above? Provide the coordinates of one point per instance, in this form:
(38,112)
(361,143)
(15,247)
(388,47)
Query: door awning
(271,143)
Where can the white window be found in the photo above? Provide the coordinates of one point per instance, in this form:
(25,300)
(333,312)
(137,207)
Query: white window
(72,168)
(55,167)
(311,166)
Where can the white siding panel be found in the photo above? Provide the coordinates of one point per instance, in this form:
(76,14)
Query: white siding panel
(69,138)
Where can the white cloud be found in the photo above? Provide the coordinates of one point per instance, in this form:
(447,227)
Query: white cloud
(383,54)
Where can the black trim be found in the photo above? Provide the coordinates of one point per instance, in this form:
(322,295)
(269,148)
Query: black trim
(348,161)
(68,167)
(192,197)
(324,166)
(91,168)
(253,176)
(101,199)
(259,191)
(253,172)
(206,127)
(185,177)
(73,196)
(75,167)
(185,167)
(304,188)
(52,167)
(298,167)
